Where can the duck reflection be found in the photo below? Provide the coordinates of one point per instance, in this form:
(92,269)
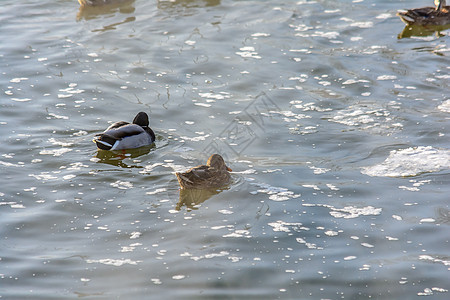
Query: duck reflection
(191,198)
(116,158)
(423,31)
(91,9)
(170,4)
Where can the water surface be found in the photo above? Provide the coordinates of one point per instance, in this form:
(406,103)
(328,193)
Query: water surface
(336,130)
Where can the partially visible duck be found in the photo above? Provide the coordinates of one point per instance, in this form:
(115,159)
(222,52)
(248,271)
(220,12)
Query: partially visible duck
(439,15)
(92,9)
(215,174)
(123,135)
(99,2)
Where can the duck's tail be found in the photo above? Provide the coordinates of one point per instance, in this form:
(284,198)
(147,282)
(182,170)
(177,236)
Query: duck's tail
(183,180)
(105,142)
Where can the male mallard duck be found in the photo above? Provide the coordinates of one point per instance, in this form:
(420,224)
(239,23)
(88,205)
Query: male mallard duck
(213,175)
(439,15)
(123,135)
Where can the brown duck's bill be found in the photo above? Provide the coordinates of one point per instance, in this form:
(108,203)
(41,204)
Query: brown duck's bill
(229,170)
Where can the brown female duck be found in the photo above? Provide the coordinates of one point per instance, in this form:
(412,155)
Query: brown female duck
(439,15)
(214,174)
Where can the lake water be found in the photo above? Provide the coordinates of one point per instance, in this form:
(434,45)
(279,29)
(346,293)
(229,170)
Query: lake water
(337,131)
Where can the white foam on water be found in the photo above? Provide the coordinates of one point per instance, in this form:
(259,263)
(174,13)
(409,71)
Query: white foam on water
(160,190)
(411,162)
(123,185)
(276,193)
(55,152)
(17,80)
(248,52)
(59,143)
(369,117)
(58,116)
(209,255)
(113,262)
(362,24)
(350,212)
(386,77)
(239,233)
(215,96)
(445,106)
(282,226)
(260,34)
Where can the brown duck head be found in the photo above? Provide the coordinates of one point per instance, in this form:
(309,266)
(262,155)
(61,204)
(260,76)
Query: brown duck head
(216,161)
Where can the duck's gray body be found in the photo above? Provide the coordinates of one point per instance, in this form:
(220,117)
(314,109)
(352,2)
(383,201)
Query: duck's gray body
(123,135)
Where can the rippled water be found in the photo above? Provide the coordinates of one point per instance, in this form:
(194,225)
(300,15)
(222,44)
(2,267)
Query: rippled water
(337,131)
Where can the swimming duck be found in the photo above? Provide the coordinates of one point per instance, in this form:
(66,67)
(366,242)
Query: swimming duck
(439,15)
(99,2)
(214,174)
(123,135)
